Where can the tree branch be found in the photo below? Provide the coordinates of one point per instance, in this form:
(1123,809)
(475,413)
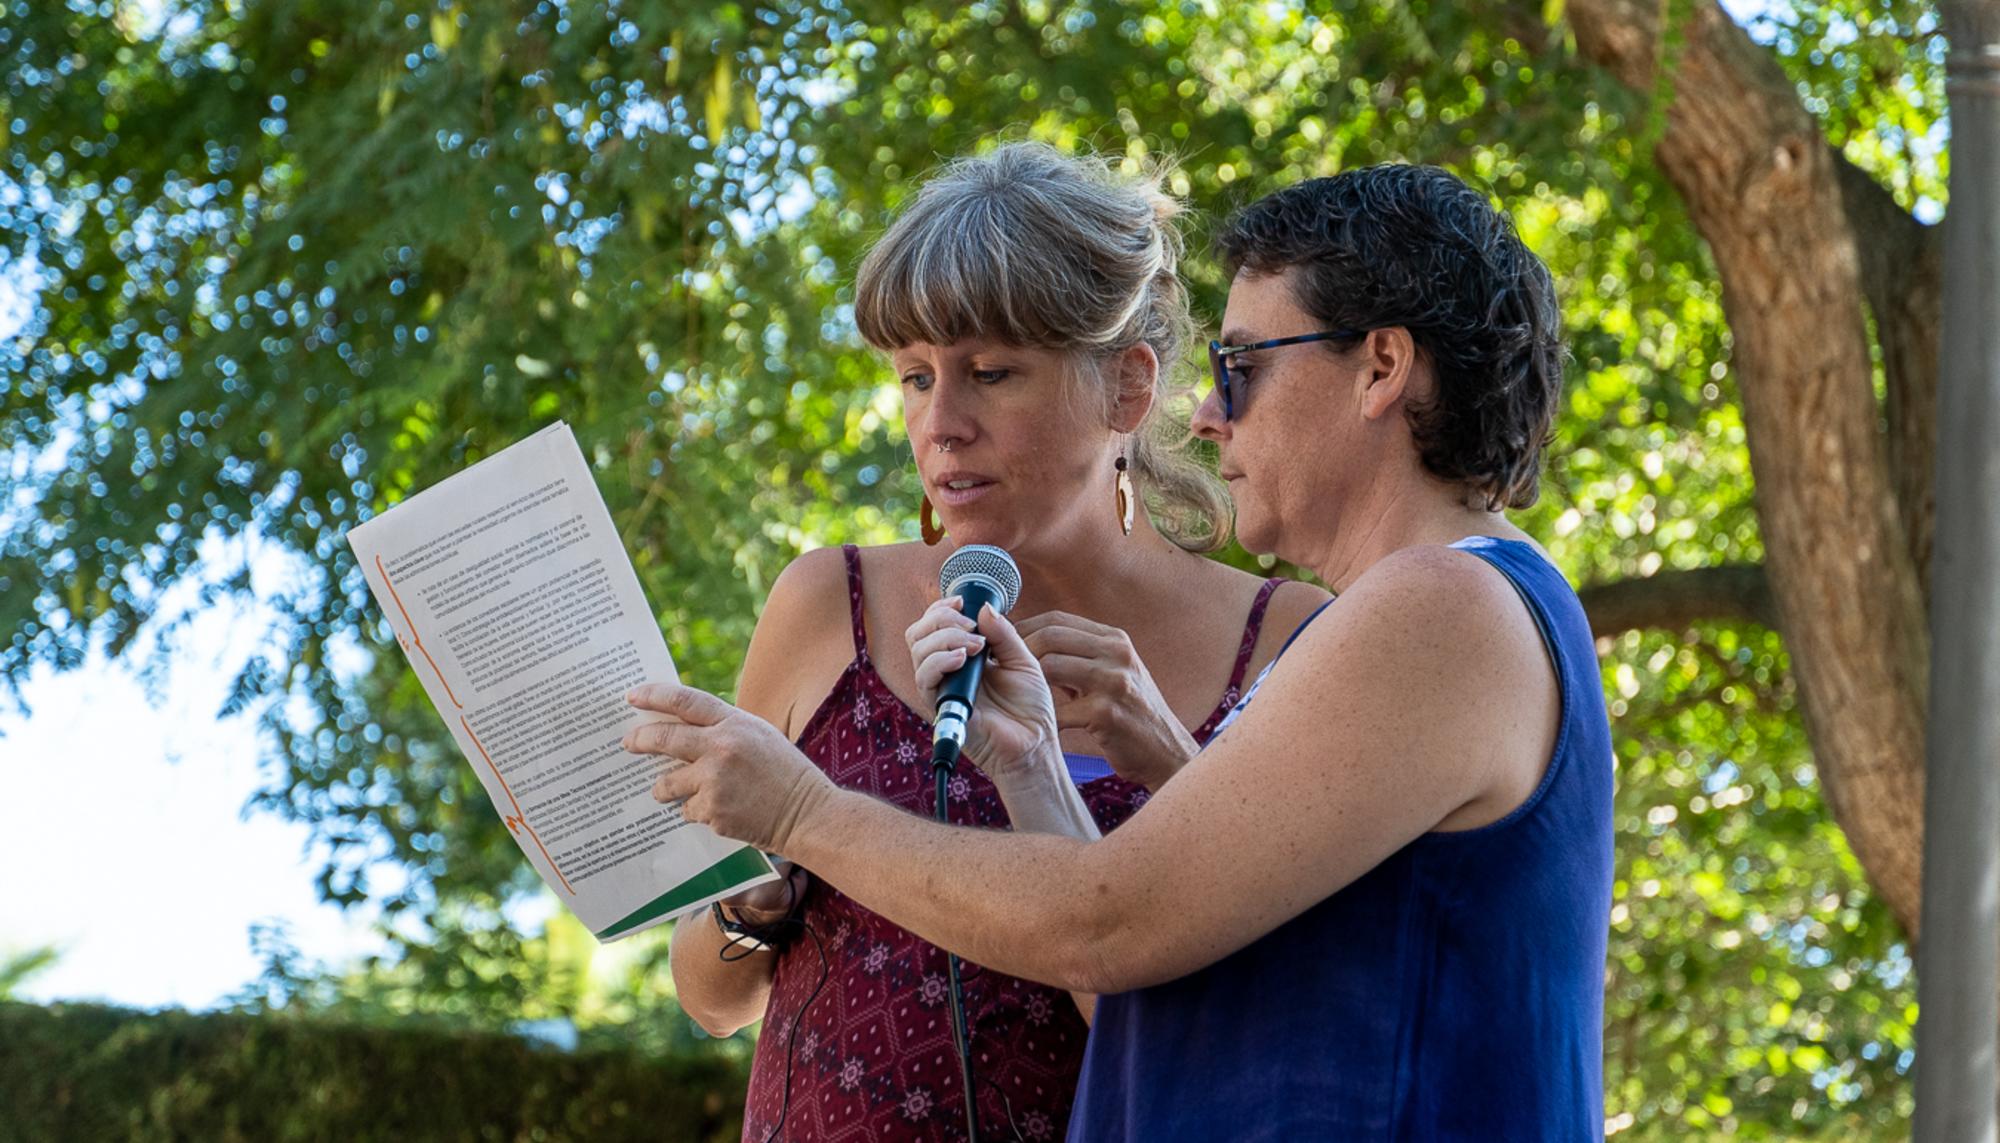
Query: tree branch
(1902,274)
(1676,599)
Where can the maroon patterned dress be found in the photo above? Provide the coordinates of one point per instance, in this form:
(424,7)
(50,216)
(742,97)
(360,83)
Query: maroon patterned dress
(874,1058)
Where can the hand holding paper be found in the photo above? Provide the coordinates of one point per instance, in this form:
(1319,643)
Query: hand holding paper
(738,775)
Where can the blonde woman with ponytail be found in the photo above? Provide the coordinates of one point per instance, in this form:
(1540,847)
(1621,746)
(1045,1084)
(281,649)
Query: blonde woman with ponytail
(1030,304)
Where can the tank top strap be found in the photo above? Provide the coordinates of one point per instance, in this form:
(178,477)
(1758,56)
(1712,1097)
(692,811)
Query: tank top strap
(853,556)
(1251,629)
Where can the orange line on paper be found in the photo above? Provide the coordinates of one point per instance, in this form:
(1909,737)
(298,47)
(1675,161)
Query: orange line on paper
(517,820)
(413,633)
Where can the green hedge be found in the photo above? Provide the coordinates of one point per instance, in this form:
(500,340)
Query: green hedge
(85,1072)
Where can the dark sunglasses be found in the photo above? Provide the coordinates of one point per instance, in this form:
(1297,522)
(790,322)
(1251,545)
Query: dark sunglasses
(1232,388)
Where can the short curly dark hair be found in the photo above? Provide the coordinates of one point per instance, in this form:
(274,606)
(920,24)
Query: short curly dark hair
(1414,246)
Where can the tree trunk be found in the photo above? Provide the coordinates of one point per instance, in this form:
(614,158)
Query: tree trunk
(1764,190)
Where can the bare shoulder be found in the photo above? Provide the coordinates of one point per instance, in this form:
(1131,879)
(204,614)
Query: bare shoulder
(1441,645)
(1292,603)
(801,644)
(807,590)
(898,582)
(899,562)
(1438,599)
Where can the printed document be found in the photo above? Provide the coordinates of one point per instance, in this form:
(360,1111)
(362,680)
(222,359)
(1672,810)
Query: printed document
(514,601)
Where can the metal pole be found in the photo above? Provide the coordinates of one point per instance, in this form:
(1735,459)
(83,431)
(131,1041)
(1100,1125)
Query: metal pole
(1958,954)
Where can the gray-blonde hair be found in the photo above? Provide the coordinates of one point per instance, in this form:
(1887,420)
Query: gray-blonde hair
(1032,247)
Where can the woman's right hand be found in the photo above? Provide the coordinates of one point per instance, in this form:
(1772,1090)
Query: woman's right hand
(1013,723)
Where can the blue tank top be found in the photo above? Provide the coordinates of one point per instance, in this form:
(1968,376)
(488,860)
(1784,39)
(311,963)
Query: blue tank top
(1455,991)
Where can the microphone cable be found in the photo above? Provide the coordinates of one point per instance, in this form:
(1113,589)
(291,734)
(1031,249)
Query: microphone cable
(944,760)
(755,938)
(979,574)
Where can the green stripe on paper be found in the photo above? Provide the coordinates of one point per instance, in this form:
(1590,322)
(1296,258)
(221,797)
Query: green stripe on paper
(733,870)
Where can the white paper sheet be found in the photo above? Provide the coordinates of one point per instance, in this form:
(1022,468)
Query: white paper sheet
(519,610)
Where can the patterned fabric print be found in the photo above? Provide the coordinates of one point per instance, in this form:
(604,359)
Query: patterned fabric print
(873,1057)
(1237,704)
(1243,700)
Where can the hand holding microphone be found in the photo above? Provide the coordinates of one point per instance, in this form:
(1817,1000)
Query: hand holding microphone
(992,703)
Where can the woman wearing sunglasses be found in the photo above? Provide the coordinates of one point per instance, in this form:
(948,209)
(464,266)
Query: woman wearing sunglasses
(1374,905)
(1030,306)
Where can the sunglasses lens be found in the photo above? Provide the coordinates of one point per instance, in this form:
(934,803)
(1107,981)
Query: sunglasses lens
(1218,370)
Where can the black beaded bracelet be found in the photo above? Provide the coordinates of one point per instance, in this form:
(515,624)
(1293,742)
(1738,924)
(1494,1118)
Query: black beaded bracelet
(746,938)
(749,938)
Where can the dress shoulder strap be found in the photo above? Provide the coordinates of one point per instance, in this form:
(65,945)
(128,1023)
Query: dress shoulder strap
(853,555)
(1233,693)
(1251,629)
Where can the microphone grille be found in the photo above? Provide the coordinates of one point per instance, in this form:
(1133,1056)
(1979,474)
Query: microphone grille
(985,561)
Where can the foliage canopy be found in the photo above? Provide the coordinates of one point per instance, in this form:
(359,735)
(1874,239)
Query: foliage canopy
(291,260)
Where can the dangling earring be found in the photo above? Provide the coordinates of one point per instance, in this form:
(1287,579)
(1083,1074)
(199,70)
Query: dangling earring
(1124,487)
(932,532)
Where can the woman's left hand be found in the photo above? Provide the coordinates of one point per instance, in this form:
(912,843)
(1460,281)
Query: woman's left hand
(1102,688)
(738,774)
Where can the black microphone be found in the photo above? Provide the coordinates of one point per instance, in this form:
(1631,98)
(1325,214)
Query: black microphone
(978,574)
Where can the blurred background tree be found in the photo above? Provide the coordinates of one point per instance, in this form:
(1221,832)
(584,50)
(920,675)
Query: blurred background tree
(16,968)
(292,260)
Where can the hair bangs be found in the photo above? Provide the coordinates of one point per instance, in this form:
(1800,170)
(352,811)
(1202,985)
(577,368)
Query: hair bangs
(953,270)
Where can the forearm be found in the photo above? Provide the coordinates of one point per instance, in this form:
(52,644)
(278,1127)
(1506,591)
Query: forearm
(1028,904)
(1143,750)
(1171,750)
(1044,800)
(722,996)
(1048,802)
